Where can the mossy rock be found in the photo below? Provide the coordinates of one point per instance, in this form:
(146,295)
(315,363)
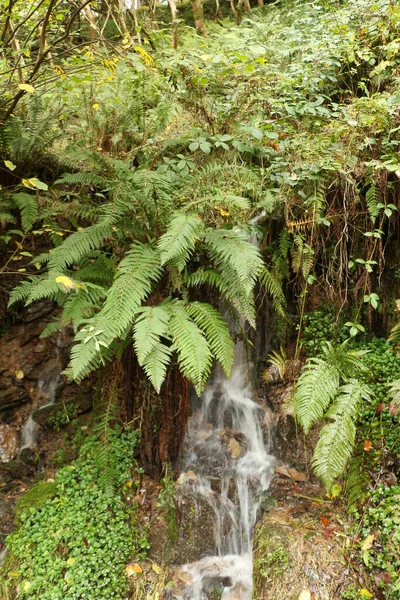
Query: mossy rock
(34,498)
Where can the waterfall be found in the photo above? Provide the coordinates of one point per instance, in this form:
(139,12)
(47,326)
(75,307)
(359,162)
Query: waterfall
(46,395)
(230,465)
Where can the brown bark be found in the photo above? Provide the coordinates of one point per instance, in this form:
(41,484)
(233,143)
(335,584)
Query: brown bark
(197,6)
(160,418)
(260,3)
(174,15)
(92,23)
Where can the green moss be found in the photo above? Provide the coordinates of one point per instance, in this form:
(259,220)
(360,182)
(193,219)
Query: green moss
(34,498)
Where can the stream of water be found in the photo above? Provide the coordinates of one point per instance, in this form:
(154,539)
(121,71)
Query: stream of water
(46,394)
(229,455)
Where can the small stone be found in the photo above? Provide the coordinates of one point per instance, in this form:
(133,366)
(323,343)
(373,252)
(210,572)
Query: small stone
(234,448)
(9,443)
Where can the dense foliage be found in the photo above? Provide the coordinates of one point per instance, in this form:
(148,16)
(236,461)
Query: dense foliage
(154,195)
(76,543)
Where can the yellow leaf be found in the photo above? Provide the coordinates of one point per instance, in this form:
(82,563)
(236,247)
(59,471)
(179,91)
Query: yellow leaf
(96,106)
(26,585)
(156,569)
(129,484)
(14,574)
(145,56)
(366,593)
(10,165)
(19,374)
(223,212)
(133,570)
(70,561)
(28,184)
(66,282)
(26,87)
(368,542)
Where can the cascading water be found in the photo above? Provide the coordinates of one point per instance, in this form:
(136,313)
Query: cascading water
(230,467)
(46,395)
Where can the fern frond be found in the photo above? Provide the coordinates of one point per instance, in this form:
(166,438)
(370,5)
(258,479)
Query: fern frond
(216,331)
(336,442)
(180,238)
(136,273)
(273,286)
(372,199)
(356,480)
(228,248)
(284,242)
(156,363)
(93,346)
(317,385)
(194,354)
(28,208)
(78,245)
(394,392)
(150,326)
(315,390)
(394,337)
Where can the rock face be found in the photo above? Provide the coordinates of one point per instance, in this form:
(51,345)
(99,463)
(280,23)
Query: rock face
(9,443)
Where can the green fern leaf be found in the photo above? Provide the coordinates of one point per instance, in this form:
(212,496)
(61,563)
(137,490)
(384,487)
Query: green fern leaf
(394,392)
(194,354)
(315,390)
(274,289)
(28,208)
(136,273)
(372,199)
(336,442)
(150,325)
(79,244)
(180,238)
(156,363)
(228,248)
(216,331)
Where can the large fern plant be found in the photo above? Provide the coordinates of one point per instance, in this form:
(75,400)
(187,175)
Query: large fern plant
(329,389)
(149,299)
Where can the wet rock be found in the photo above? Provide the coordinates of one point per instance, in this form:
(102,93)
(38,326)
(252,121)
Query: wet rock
(185,477)
(16,469)
(9,443)
(11,398)
(6,519)
(36,311)
(69,408)
(234,448)
(29,457)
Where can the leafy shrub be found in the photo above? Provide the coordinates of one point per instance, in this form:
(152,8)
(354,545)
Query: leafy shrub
(76,544)
(381,522)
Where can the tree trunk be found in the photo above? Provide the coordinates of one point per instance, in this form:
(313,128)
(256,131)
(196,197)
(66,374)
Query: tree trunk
(92,23)
(160,418)
(247,6)
(197,6)
(260,3)
(174,15)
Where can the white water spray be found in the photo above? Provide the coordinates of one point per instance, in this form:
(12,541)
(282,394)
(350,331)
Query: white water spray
(231,478)
(46,396)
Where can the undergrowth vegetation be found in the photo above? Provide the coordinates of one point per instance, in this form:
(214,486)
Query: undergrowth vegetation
(76,542)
